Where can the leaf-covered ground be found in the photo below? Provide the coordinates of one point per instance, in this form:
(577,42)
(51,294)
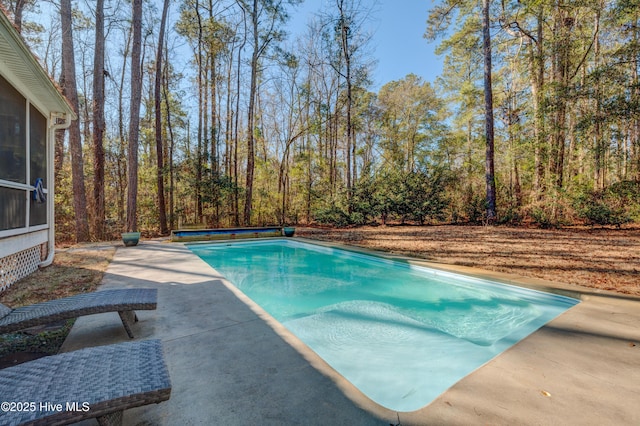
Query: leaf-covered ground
(597,258)
(74,270)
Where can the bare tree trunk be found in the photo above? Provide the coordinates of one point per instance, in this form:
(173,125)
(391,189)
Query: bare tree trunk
(122,138)
(98,124)
(134,123)
(58,161)
(199,159)
(171,149)
(537,84)
(162,206)
(229,130)
(344,38)
(561,63)
(309,180)
(488,116)
(204,110)
(236,139)
(215,195)
(250,115)
(17,13)
(309,153)
(599,144)
(75,143)
(634,159)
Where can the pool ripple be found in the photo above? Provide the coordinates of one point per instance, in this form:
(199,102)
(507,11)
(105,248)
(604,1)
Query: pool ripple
(376,322)
(361,339)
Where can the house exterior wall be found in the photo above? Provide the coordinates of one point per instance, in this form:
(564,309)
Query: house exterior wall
(30,108)
(24,165)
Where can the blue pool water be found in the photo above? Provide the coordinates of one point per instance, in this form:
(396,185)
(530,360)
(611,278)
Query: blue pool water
(401,334)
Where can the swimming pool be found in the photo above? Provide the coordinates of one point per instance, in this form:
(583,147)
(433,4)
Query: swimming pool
(400,333)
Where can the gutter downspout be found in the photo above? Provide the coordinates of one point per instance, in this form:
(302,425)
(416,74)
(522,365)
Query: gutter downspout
(53,127)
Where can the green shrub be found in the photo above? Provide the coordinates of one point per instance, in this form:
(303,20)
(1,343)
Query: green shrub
(357,218)
(476,208)
(601,214)
(542,217)
(616,205)
(510,215)
(553,211)
(364,203)
(332,215)
(625,196)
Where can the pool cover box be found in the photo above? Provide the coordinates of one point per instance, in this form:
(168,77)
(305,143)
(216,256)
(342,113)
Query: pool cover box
(182,235)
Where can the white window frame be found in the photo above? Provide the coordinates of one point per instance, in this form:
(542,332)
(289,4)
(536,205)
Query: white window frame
(27,188)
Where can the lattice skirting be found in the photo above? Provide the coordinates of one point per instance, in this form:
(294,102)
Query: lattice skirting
(19,265)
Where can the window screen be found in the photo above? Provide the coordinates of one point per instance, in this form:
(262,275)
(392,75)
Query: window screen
(13,213)
(37,212)
(13,150)
(37,146)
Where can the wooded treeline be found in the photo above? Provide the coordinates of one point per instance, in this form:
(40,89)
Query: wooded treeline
(208,112)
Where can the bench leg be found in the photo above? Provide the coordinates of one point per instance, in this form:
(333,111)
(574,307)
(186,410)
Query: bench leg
(113,419)
(128,318)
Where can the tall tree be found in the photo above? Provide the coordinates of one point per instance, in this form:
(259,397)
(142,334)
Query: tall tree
(16,7)
(236,140)
(527,29)
(462,81)
(75,142)
(536,65)
(98,123)
(134,121)
(346,30)
(255,56)
(560,71)
(346,33)
(58,156)
(171,147)
(266,18)
(162,207)
(409,122)
(121,161)
(488,115)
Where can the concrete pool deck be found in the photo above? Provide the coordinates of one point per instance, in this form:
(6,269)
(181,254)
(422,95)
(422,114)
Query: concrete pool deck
(230,363)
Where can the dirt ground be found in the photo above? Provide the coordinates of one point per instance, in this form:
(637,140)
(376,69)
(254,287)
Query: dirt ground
(74,270)
(597,258)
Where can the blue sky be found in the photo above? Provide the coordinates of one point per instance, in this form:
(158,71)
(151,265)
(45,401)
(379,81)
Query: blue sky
(398,43)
